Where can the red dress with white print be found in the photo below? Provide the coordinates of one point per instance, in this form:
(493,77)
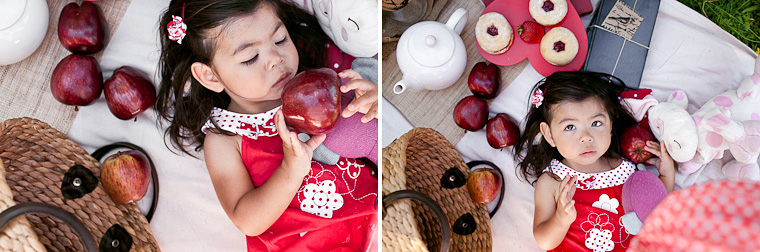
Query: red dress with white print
(597,226)
(335,208)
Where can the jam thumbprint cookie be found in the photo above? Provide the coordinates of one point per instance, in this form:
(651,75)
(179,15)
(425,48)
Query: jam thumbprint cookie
(548,12)
(559,46)
(494,33)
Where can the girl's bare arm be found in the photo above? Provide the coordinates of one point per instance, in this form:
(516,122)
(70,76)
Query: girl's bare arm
(254,210)
(553,214)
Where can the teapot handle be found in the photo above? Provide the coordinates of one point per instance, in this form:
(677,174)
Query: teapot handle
(457,20)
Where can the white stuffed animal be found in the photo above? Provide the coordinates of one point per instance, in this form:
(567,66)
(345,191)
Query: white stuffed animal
(728,121)
(669,122)
(351,24)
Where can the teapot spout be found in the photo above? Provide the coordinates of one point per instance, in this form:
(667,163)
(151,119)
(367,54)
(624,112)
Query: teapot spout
(399,87)
(407,82)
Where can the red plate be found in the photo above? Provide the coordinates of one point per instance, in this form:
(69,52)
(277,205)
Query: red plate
(516,12)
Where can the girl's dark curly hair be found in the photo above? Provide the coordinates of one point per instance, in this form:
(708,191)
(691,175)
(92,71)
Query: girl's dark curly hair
(569,86)
(182,101)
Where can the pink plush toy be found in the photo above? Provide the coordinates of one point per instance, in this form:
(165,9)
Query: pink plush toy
(728,121)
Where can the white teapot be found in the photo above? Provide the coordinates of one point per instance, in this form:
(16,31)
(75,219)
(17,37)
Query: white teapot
(432,55)
(23,24)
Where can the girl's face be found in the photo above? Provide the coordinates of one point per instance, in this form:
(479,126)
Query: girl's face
(254,59)
(581,131)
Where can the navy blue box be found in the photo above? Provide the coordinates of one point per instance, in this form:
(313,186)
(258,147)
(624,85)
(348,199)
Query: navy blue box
(618,38)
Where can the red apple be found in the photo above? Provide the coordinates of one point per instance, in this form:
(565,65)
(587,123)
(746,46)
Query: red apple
(484,80)
(632,142)
(125,176)
(77,80)
(82,29)
(471,113)
(484,184)
(311,101)
(129,92)
(502,131)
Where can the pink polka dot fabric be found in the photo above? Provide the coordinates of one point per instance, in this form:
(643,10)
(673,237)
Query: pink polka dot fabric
(714,216)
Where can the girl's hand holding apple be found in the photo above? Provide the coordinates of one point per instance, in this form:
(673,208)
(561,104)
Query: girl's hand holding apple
(297,154)
(365,99)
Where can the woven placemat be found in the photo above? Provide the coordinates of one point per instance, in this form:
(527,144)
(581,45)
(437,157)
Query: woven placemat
(36,157)
(25,85)
(420,160)
(434,109)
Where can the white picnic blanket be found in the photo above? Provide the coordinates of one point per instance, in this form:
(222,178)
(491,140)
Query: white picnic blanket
(188,216)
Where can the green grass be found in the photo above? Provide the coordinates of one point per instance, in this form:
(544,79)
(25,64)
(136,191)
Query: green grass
(738,17)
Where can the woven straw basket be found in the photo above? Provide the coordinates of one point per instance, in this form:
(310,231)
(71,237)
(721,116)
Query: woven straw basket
(35,158)
(423,160)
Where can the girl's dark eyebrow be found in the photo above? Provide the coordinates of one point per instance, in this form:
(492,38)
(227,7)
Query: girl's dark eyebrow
(573,119)
(249,44)
(567,119)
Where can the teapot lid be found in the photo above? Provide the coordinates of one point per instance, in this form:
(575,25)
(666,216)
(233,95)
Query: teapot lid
(431,44)
(10,12)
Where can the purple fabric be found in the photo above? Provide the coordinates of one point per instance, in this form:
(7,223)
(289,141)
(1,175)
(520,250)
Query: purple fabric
(641,193)
(351,138)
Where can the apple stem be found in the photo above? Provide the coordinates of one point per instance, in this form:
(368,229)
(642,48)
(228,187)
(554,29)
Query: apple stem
(135,119)
(76,108)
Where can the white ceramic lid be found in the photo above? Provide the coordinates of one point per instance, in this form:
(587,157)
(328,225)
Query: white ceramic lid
(432,44)
(10,12)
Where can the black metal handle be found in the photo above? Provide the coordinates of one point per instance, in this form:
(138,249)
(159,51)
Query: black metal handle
(445,230)
(41,208)
(472,164)
(99,153)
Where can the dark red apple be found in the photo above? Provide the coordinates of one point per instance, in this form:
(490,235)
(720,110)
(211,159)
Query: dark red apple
(82,29)
(125,176)
(484,80)
(471,113)
(484,184)
(128,93)
(311,101)
(502,131)
(77,80)
(632,142)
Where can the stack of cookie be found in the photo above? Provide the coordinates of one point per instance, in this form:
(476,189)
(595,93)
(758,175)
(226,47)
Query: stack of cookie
(559,46)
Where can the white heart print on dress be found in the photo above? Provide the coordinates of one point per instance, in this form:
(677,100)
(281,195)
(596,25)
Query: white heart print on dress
(599,240)
(321,199)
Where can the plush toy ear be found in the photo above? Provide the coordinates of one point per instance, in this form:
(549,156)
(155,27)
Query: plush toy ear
(639,107)
(679,98)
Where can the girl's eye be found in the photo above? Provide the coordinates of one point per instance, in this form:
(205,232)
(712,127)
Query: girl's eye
(596,124)
(251,61)
(282,41)
(570,127)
